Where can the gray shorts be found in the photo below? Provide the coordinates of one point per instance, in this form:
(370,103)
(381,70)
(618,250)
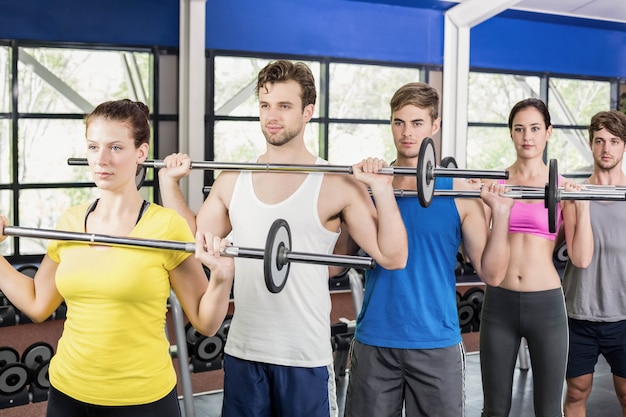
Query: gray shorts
(427,382)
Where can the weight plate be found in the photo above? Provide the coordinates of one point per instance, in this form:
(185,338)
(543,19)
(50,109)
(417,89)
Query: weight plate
(466,313)
(425,177)
(192,335)
(552,191)
(209,348)
(222,332)
(36,353)
(40,375)
(8,355)
(474,296)
(449,162)
(275,263)
(560,255)
(13,378)
(29,270)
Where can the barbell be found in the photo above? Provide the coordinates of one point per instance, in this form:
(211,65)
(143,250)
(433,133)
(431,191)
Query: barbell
(426,170)
(277,255)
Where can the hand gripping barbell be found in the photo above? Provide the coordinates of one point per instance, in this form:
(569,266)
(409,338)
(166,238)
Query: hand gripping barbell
(425,172)
(277,255)
(552,194)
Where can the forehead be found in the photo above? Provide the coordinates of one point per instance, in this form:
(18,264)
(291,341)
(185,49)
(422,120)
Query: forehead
(412,112)
(605,134)
(284,91)
(100,128)
(528,115)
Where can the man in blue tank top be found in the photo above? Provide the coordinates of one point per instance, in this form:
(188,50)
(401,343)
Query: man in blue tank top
(595,296)
(408,350)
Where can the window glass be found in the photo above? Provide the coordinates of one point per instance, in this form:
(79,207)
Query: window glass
(5,151)
(574,102)
(364,91)
(5,80)
(44,147)
(237,141)
(55,80)
(351,143)
(41,208)
(570,147)
(235,83)
(491,96)
(489,148)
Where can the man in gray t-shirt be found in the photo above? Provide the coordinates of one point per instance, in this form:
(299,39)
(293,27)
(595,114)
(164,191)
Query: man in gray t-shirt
(596,296)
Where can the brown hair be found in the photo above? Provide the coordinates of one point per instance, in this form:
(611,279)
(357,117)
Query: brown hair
(135,113)
(282,71)
(614,121)
(539,105)
(417,94)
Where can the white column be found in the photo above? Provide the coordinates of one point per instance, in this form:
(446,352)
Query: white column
(456,62)
(192,94)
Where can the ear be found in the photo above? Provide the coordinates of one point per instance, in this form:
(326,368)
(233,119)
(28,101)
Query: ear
(308,111)
(436,126)
(548,133)
(142,153)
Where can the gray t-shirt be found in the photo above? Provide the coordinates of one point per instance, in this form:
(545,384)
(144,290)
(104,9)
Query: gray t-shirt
(598,292)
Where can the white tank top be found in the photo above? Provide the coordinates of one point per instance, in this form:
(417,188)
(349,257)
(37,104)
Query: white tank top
(291,328)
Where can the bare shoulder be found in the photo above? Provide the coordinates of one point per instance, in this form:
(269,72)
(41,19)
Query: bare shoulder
(223,186)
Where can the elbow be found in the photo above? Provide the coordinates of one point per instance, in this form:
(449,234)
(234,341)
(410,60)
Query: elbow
(581,263)
(397,261)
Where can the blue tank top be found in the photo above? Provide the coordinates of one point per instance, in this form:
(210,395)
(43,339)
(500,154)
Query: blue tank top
(415,307)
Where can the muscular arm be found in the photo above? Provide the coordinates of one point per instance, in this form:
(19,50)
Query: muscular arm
(176,167)
(36,297)
(379,230)
(578,233)
(489,251)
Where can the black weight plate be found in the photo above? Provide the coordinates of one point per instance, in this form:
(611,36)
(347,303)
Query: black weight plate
(560,254)
(140,176)
(192,335)
(425,178)
(40,376)
(474,295)
(208,348)
(36,353)
(466,313)
(449,162)
(13,378)
(8,355)
(275,265)
(551,198)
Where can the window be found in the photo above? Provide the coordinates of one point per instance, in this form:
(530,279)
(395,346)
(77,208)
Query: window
(43,126)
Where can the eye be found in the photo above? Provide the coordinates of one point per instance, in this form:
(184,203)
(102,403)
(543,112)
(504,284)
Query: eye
(116,148)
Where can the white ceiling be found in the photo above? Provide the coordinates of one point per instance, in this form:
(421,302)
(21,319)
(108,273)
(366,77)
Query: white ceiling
(607,10)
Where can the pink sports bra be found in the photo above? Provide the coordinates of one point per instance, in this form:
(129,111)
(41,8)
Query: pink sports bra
(532,218)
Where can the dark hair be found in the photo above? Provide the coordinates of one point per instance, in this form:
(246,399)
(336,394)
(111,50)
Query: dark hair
(135,113)
(530,102)
(282,71)
(418,94)
(614,121)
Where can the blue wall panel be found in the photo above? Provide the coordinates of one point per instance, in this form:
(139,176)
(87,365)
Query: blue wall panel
(337,28)
(522,45)
(131,22)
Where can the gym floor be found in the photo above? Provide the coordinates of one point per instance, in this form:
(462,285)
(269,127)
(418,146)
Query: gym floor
(602,402)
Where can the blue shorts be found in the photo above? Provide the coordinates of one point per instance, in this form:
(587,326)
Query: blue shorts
(254,389)
(589,339)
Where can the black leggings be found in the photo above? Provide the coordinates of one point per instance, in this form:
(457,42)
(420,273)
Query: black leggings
(61,405)
(540,318)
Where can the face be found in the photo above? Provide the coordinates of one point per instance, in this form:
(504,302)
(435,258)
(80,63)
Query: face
(529,133)
(112,155)
(280,112)
(607,149)
(410,125)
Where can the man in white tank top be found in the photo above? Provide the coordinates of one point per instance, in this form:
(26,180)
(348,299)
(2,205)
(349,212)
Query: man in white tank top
(278,357)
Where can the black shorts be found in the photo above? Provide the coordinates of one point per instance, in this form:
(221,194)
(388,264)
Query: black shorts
(589,339)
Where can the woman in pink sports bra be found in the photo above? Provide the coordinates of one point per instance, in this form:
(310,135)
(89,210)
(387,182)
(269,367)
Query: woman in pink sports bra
(529,302)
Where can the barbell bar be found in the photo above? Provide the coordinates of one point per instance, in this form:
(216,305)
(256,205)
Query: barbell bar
(425,172)
(277,255)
